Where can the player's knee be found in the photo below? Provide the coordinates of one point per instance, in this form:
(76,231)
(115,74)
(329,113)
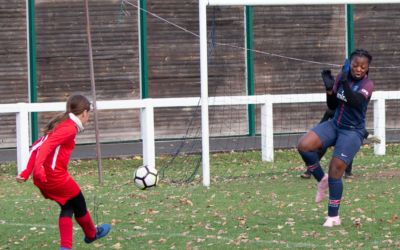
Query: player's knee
(309,142)
(302,146)
(337,168)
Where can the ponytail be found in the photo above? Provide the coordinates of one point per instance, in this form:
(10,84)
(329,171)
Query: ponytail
(76,104)
(54,122)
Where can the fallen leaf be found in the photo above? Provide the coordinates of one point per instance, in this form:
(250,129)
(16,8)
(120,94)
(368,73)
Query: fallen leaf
(116,246)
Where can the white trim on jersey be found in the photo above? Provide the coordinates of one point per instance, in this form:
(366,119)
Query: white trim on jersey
(53,164)
(36,146)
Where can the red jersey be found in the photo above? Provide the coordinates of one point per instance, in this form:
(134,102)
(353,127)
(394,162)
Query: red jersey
(49,159)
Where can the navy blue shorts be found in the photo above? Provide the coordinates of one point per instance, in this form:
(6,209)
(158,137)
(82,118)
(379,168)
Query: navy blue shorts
(347,142)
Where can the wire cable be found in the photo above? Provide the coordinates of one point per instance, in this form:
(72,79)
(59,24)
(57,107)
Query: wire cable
(243,48)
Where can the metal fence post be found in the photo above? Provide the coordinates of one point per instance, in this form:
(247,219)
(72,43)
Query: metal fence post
(267,130)
(380,124)
(22,120)
(147,127)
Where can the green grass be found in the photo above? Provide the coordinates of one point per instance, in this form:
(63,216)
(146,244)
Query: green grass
(250,205)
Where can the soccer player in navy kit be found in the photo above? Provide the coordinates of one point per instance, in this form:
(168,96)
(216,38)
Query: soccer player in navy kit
(348,172)
(349,95)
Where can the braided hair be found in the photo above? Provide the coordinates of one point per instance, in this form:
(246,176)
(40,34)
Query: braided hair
(361,53)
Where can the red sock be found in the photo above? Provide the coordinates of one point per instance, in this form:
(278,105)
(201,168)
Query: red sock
(87,225)
(65,225)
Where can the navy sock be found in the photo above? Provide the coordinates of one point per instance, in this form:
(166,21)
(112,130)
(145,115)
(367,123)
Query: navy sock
(335,196)
(316,171)
(312,162)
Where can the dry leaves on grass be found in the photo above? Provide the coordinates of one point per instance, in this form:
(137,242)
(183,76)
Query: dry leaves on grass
(393,219)
(114,222)
(116,246)
(242,238)
(242,221)
(357,223)
(186,201)
(152,211)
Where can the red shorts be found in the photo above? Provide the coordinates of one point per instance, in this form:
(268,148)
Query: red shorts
(59,193)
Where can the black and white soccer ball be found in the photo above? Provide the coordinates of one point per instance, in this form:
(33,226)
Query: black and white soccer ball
(145,177)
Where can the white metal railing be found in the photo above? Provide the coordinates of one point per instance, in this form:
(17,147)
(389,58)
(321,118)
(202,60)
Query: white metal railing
(294,2)
(147,106)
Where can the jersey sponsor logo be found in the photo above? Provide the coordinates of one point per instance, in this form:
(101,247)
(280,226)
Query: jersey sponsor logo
(365,92)
(340,95)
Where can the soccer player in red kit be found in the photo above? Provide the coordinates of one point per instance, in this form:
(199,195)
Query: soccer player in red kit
(48,163)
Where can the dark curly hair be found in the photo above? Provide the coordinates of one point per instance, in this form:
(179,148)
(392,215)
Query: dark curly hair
(361,53)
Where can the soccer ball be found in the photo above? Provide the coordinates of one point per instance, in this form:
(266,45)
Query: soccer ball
(145,177)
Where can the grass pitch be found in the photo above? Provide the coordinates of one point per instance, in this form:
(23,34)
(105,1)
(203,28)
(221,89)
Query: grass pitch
(250,205)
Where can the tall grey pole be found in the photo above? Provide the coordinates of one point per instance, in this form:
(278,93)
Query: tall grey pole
(93,86)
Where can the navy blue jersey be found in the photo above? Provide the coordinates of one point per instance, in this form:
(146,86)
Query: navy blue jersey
(347,116)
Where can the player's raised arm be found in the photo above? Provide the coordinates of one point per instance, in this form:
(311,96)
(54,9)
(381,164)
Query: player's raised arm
(329,83)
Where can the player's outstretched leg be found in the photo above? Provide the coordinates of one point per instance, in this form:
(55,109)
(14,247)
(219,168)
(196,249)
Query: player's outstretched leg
(101,231)
(322,188)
